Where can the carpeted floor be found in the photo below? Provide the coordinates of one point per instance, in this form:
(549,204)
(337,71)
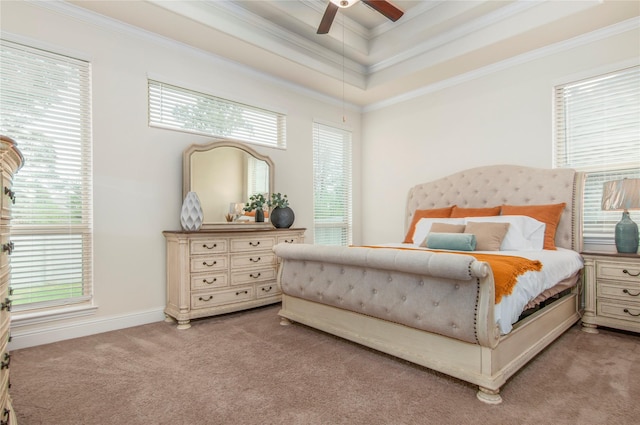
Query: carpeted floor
(244,368)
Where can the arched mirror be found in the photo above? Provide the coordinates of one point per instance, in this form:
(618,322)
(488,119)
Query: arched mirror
(225,174)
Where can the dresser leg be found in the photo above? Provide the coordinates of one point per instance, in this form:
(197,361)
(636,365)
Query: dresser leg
(168,319)
(489,396)
(184,324)
(589,328)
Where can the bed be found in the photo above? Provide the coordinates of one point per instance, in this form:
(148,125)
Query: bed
(438,308)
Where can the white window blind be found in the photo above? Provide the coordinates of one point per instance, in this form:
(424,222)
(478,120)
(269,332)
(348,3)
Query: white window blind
(177,108)
(598,131)
(331,185)
(45,107)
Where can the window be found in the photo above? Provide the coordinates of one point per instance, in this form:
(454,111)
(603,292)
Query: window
(331,185)
(598,131)
(177,108)
(45,106)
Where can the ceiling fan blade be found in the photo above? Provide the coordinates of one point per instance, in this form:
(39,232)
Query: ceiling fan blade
(386,8)
(327,18)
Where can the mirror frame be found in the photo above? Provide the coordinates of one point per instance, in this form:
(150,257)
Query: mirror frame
(186,180)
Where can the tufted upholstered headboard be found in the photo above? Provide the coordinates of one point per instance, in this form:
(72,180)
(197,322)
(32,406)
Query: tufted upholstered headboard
(493,185)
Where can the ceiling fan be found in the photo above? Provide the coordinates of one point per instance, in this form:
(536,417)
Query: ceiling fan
(382,6)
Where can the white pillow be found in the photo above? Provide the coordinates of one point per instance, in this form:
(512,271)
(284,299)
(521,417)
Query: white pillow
(423,226)
(524,234)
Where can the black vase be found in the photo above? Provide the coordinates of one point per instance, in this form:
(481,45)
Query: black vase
(282,218)
(259,216)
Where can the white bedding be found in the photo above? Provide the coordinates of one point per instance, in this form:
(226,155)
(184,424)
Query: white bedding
(556,266)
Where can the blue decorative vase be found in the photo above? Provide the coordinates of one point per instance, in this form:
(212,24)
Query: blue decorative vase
(626,235)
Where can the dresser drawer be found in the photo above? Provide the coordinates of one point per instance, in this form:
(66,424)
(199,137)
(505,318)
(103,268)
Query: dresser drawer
(256,275)
(208,246)
(252,244)
(7,195)
(618,271)
(267,290)
(210,299)
(626,292)
(629,312)
(256,259)
(290,238)
(208,280)
(207,263)
(6,248)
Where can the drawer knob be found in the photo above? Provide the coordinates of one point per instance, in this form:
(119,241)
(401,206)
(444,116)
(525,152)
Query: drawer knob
(626,291)
(4,364)
(204,263)
(626,310)
(6,305)
(8,247)
(254,261)
(267,289)
(288,241)
(255,276)
(204,245)
(11,193)
(242,292)
(209,283)
(630,274)
(254,244)
(208,299)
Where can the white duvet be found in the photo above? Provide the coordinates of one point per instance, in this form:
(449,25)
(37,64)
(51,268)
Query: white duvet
(556,266)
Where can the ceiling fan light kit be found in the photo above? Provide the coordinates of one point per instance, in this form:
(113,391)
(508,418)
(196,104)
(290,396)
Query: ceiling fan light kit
(344,3)
(382,6)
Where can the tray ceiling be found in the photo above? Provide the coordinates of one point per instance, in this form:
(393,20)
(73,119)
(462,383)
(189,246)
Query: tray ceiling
(366,58)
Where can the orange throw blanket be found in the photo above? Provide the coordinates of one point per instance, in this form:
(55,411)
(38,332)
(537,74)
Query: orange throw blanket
(506,268)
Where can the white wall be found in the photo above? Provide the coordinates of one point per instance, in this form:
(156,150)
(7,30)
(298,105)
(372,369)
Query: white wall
(137,169)
(496,117)
(487,118)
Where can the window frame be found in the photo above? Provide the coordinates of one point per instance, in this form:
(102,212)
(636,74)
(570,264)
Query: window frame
(63,99)
(598,226)
(345,153)
(261,126)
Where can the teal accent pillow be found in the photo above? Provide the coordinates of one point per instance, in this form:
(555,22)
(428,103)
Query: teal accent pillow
(452,241)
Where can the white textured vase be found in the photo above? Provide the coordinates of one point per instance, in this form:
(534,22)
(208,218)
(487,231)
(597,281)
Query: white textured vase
(191,214)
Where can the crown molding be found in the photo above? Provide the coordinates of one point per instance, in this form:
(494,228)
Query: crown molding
(601,34)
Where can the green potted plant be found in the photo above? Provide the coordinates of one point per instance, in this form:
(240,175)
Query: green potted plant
(257,202)
(282,215)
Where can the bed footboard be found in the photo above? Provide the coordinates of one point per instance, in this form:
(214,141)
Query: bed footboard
(446,294)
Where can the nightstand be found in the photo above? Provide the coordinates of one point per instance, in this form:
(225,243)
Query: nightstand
(612,291)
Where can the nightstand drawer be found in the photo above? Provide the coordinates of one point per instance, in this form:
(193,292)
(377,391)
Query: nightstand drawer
(629,292)
(625,311)
(618,271)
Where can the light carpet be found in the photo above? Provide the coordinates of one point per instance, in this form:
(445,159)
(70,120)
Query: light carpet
(244,368)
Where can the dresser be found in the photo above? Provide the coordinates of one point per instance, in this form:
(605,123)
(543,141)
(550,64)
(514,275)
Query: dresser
(11,160)
(612,291)
(212,272)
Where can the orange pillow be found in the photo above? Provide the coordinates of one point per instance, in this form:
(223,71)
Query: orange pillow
(475,212)
(419,214)
(548,214)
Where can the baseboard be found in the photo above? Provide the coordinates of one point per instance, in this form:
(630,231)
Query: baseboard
(60,332)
